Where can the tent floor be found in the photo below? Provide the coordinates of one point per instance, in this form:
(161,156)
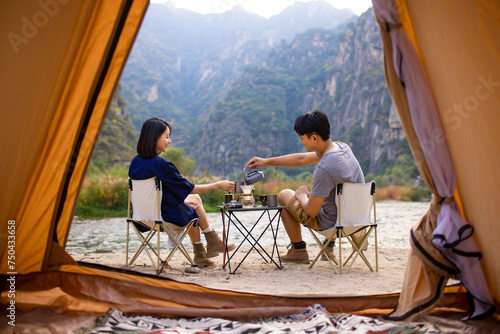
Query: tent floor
(45,320)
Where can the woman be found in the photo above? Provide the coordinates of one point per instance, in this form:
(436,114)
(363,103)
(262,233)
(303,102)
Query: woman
(181,202)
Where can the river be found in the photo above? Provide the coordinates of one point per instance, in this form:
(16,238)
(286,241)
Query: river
(108,235)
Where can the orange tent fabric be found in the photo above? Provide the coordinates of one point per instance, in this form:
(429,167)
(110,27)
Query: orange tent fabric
(455,62)
(463,65)
(60,64)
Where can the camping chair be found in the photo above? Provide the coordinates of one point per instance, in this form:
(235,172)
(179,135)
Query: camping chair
(145,197)
(354,203)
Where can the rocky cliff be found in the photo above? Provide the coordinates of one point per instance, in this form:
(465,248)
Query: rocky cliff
(232,84)
(339,72)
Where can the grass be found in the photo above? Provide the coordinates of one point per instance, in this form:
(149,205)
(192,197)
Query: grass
(104,196)
(402,193)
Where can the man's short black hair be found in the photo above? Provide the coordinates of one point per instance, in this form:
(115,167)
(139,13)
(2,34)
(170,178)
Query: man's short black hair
(313,122)
(151,130)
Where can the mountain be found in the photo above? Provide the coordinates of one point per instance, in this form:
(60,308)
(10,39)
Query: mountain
(309,15)
(183,63)
(117,140)
(339,72)
(232,84)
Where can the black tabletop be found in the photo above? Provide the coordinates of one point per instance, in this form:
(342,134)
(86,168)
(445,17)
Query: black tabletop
(255,208)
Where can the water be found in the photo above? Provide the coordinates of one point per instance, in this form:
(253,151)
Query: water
(109,235)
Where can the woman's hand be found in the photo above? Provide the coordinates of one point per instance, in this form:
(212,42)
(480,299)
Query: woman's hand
(192,204)
(226,185)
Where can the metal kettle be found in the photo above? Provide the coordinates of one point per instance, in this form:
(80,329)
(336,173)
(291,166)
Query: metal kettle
(253,177)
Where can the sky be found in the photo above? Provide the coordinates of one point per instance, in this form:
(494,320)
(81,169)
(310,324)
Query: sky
(265,8)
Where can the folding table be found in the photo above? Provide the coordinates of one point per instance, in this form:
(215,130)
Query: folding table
(245,228)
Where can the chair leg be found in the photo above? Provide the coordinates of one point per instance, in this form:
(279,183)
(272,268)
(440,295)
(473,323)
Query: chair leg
(318,242)
(329,257)
(158,258)
(128,237)
(322,246)
(178,246)
(358,251)
(141,246)
(181,246)
(322,250)
(145,245)
(376,250)
(361,254)
(340,251)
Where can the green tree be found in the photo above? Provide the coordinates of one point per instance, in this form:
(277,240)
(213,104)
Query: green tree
(117,140)
(177,156)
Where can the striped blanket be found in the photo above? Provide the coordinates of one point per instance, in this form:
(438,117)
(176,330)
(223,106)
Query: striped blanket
(315,320)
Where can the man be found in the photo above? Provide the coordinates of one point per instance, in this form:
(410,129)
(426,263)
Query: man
(317,209)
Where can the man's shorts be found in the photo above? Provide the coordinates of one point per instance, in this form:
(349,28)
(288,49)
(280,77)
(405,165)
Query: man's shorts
(295,209)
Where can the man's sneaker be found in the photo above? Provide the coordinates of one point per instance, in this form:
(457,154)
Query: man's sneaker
(295,255)
(329,250)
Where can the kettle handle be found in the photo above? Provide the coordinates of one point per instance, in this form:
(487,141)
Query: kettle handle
(249,167)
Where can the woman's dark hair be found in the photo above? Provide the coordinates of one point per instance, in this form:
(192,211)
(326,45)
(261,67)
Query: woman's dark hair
(313,122)
(151,130)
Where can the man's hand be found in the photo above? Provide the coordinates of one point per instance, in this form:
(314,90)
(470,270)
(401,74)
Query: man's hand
(256,162)
(302,193)
(311,204)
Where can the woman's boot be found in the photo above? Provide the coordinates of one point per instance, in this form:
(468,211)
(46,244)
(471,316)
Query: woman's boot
(200,256)
(215,244)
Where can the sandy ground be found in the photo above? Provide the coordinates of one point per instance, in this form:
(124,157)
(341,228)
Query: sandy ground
(257,276)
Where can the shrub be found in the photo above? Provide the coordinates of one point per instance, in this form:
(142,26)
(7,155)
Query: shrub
(401,193)
(103,195)
(106,194)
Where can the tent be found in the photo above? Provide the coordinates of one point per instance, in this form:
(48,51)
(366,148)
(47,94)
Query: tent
(60,64)
(442,69)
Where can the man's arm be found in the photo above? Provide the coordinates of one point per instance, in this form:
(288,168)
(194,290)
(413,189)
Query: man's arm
(311,204)
(289,160)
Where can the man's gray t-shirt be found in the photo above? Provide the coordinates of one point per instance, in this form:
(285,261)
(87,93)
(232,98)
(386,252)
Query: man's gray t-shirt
(334,167)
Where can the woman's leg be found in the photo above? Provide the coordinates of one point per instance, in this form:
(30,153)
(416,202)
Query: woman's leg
(194,233)
(214,243)
(203,220)
(200,254)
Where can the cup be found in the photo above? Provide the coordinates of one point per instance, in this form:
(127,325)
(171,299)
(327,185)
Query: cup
(272,200)
(228,198)
(237,187)
(263,200)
